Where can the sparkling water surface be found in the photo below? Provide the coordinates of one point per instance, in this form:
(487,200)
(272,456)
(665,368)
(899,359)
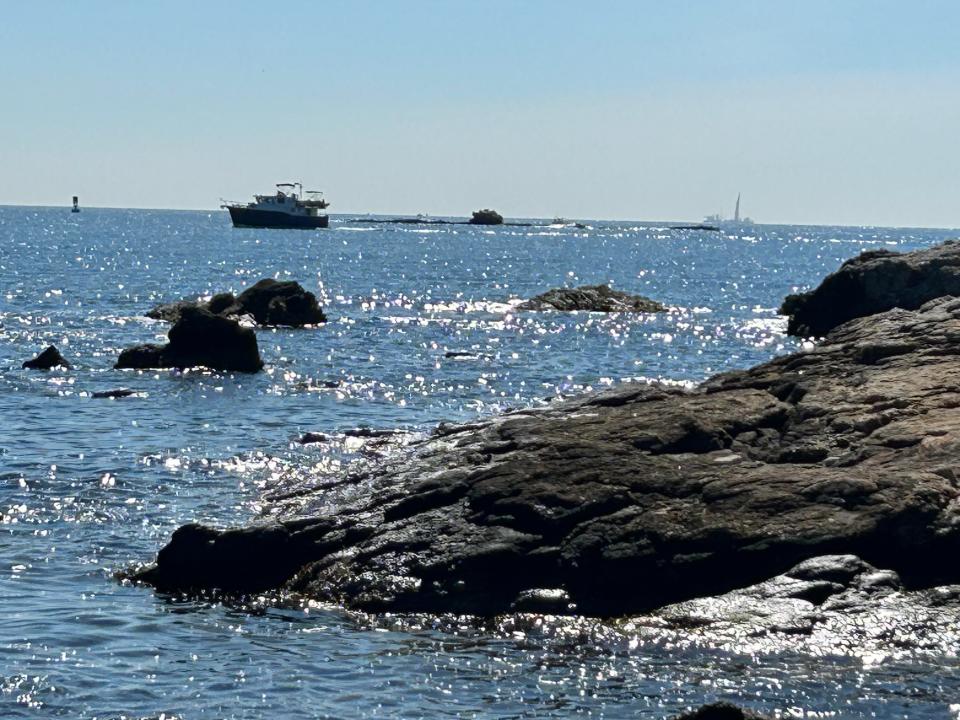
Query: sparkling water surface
(89,486)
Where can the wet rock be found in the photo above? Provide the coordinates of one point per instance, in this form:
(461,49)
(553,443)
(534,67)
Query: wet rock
(312,437)
(269,302)
(118,393)
(591,298)
(199,339)
(646,496)
(486,217)
(873,282)
(49,358)
(721,711)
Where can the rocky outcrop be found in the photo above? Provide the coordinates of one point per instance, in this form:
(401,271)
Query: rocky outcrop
(199,339)
(49,358)
(873,282)
(626,501)
(268,302)
(486,217)
(833,605)
(591,298)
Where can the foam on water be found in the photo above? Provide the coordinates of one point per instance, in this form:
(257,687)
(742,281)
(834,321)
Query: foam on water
(423,329)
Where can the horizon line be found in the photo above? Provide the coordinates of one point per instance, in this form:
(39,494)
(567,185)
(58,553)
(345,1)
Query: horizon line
(68,208)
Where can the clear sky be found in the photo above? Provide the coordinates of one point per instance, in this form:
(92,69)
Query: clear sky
(821,111)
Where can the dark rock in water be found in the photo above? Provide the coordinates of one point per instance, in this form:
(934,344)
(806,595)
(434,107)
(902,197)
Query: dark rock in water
(241,562)
(591,298)
(275,302)
(645,495)
(875,281)
(486,217)
(199,339)
(721,711)
(171,311)
(119,393)
(49,358)
(366,432)
(269,302)
(312,437)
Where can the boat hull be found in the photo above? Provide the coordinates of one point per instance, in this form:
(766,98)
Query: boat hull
(252,218)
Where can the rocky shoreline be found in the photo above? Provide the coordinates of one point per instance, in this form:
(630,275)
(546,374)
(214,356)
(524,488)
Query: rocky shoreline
(634,499)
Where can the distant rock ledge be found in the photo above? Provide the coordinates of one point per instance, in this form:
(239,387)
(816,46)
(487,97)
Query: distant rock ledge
(591,298)
(486,217)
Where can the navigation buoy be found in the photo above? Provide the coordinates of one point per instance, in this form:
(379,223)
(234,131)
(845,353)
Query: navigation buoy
(76,204)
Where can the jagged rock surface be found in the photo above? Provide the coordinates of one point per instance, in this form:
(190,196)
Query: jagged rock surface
(591,298)
(49,358)
(268,302)
(873,282)
(622,502)
(199,339)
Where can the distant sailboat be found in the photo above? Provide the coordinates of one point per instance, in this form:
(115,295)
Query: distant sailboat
(718,219)
(76,204)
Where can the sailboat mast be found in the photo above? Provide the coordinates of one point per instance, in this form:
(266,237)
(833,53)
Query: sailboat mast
(736,211)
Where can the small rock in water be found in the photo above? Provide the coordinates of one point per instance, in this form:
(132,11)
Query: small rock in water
(49,358)
(119,393)
(365,432)
(486,217)
(312,437)
(199,339)
(269,302)
(720,711)
(591,298)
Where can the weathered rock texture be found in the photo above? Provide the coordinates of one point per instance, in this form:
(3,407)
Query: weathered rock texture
(199,339)
(626,501)
(269,302)
(831,605)
(49,358)
(591,298)
(875,281)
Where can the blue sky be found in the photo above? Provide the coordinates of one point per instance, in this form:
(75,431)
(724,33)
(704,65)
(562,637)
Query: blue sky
(821,112)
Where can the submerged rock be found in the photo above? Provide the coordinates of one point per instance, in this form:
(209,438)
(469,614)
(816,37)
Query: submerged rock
(875,281)
(721,711)
(625,501)
(486,217)
(591,298)
(269,302)
(49,358)
(199,339)
(114,394)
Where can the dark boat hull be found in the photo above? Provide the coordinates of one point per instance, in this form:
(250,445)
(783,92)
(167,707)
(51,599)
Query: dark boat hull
(252,218)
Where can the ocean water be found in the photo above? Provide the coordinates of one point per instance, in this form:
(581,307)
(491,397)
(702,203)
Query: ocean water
(91,486)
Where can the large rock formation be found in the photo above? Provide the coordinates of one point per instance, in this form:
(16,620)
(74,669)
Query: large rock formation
(622,502)
(269,302)
(199,339)
(591,298)
(49,358)
(875,281)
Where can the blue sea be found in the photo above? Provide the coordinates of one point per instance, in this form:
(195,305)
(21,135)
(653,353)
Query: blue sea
(90,486)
